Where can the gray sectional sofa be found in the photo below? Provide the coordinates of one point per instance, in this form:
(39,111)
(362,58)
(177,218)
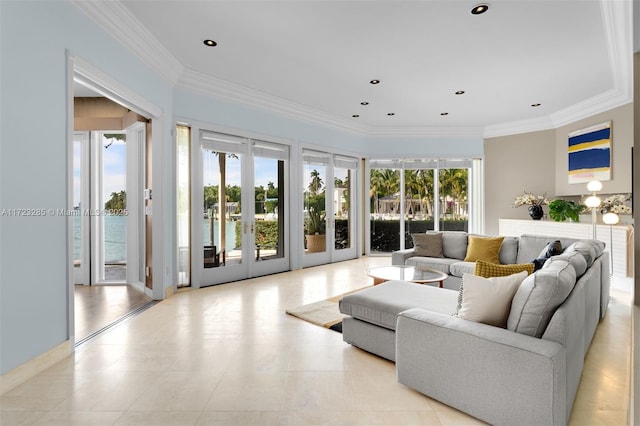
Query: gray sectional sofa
(527,373)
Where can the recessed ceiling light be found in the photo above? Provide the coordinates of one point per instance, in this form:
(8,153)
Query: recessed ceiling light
(460,92)
(535,105)
(364,103)
(374,81)
(444,113)
(391,113)
(210,43)
(355,116)
(479,9)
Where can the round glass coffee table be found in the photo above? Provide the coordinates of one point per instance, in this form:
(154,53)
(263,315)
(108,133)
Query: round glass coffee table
(381,274)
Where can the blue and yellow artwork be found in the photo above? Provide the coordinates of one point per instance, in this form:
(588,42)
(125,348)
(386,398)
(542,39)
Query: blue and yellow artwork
(590,154)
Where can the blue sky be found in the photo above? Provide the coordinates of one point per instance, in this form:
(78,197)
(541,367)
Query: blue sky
(265,170)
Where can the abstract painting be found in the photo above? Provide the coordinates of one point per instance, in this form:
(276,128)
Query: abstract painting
(590,154)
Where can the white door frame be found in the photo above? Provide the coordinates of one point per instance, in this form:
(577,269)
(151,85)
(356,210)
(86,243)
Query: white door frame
(82,72)
(249,267)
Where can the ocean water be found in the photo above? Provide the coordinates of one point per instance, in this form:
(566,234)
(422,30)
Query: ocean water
(230,236)
(115,237)
(115,231)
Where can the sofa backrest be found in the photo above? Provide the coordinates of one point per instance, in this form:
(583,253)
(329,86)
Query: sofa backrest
(539,296)
(509,250)
(454,244)
(574,323)
(531,245)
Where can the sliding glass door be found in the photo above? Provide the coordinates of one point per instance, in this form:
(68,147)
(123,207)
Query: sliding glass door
(415,195)
(107,200)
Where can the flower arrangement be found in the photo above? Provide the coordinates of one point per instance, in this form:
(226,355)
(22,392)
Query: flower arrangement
(616,204)
(529,199)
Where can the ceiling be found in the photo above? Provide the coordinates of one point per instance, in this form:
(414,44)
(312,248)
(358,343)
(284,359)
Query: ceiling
(314,60)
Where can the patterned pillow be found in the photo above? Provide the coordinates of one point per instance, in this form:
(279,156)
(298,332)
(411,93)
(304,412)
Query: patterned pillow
(484,248)
(428,245)
(487,270)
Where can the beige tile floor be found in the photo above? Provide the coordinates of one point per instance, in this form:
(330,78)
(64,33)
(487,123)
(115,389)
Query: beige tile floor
(229,355)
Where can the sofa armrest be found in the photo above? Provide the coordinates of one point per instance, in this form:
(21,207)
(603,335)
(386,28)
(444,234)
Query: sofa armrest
(496,375)
(398,257)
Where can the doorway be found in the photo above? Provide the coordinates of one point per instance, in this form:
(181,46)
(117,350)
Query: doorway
(108,214)
(330,183)
(239,221)
(108,239)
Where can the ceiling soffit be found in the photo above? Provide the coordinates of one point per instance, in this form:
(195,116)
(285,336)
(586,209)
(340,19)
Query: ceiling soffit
(119,22)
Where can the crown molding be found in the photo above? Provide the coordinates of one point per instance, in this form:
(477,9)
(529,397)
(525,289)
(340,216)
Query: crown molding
(118,22)
(517,127)
(429,131)
(201,83)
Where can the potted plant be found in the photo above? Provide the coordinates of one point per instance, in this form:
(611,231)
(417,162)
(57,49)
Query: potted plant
(315,228)
(561,210)
(535,203)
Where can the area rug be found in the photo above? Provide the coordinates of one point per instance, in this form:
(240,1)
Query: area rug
(324,313)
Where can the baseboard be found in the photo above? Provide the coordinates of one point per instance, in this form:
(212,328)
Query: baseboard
(168,292)
(34,366)
(634,405)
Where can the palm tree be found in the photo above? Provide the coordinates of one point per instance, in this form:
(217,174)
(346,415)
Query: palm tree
(316,182)
(376,183)
(424,180)
(411,190)
(453,184)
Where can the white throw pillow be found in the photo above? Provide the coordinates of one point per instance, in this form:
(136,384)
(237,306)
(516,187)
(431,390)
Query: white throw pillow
(488,300)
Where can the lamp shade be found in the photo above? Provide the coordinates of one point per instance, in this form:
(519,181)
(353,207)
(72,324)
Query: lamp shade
(610,218)
(594,186)
(592,202)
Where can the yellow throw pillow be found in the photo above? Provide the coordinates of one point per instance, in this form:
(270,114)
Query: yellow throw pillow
(484,248)
(488,270)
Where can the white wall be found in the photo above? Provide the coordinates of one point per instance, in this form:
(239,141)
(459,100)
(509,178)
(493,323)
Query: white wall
(435,146)
(33,163)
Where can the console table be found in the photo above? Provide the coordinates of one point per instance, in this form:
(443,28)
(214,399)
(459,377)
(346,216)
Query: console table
(622,241)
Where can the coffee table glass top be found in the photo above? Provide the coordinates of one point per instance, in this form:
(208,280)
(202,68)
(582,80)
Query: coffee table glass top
(406,273)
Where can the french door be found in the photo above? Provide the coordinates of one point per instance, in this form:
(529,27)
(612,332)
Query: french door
(239,208)
(329,207)
(107,206)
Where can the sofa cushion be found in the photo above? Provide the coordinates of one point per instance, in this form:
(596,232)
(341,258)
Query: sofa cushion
(381,304)
(454,244)
(483,248)
(487,270)
(577,260)
(509,250)
(438,263)
(488,300)
(428,245)
(590,249)
(539,295)
(458,269)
